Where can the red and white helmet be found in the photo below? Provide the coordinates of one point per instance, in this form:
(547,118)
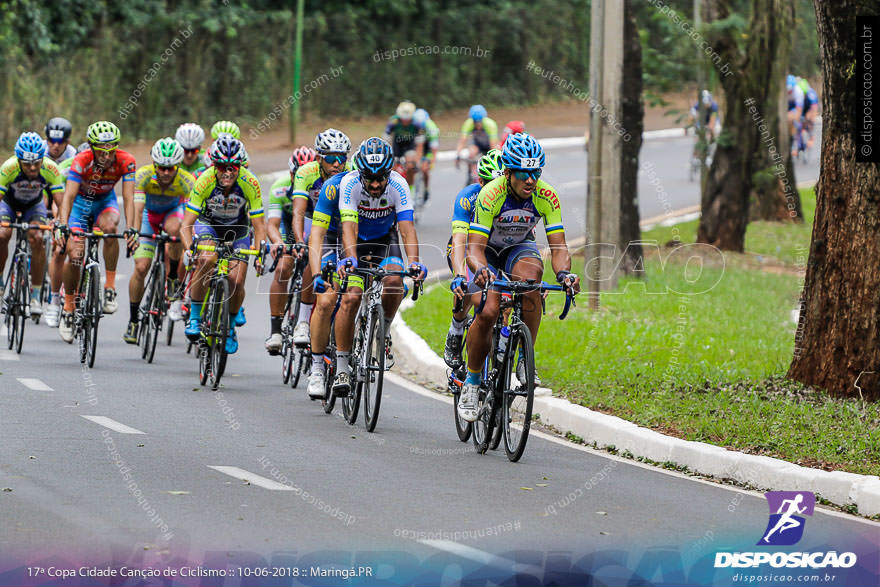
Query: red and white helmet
(300,157)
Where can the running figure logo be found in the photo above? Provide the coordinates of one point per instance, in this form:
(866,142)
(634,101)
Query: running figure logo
(785,526)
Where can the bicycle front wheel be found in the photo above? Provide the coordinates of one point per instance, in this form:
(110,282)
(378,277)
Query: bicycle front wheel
(155,311)
(373,357)
(94,314)
(518,396)
(146,325)
(23,295)
(218,309)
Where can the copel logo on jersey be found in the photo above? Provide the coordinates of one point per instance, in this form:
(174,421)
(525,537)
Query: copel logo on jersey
(786,524)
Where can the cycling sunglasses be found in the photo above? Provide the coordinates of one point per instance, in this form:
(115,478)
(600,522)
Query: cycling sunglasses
(188,151)
(166,167)
(56,141)
(105,149)
(331,159)
(525,175)
(224,167)
(370,177)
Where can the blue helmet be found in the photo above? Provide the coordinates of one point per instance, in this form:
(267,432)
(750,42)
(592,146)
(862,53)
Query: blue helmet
(522,152)
(374,157)
(30,147)
(421,116)
(790,82)
(477,112)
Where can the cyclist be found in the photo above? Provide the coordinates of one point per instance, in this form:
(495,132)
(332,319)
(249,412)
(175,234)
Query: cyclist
(795,112)
(374,207)
(89,198)
(58,139)
(811,109)
(710,120)
(432,144)
(488,169)
(280,231)
(406,137)
(226,127)
(190,136)
(160,190)
(23,180)
(513,127)
(501,239)
(482,130)
(221,201)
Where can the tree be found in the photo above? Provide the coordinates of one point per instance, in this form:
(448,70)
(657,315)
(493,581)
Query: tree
(725,200)
(837,346)
(632,119)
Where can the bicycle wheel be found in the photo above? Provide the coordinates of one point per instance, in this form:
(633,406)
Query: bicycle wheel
(23,295)
(95,309)
(298,362)
(329,400)
(286,358)
(146,325)
(374,367)
(169,327)
(204,362)
(155,312)
(484,426)
(518,400)
(351,404)
(219,312)
(497,433)
(462,427)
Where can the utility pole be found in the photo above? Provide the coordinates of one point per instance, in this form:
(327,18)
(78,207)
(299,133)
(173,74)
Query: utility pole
(606,80)
(297,70)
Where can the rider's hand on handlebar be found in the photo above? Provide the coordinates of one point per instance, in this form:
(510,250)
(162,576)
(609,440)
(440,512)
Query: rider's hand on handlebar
(131,238)
(418,271)
(61,232)
(187,259)
(300,249)
(347,264)
(570,281)
(459,286)
(483,276)
(318,284)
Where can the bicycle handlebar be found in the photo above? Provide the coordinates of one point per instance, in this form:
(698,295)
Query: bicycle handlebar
(163,236)
(380,273)
(519,287)
(26,226)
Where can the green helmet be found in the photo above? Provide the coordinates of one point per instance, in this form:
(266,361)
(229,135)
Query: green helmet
(102,132)
(167,152)
(489,166)
(225,127)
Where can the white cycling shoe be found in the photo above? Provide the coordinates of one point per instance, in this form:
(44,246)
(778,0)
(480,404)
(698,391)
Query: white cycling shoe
(316,385)
(301,333)
(467,402)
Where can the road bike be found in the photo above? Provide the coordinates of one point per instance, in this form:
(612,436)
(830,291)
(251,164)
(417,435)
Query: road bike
(508,393)
(17,296)
(215,311)
(294,358)
(154,305)
(416,189)
(45,291)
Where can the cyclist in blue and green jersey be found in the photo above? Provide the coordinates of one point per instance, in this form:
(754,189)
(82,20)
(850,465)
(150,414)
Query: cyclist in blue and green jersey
(482,130)
(407,138)
(191,136)
(488,169)
(432,145)
(501,240)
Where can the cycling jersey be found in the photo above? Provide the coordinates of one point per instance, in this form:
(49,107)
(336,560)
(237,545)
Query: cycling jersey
(156,197)
(482,138)
(463,211)
(376,217)
(507,220)
(244,200)
(404,133)
(327,208)
(811,98)
(69,153)
(64,166)
(19,191)
(432,135)
(195,169)
(795,98)
(307,184)
(94,183)
(710,110)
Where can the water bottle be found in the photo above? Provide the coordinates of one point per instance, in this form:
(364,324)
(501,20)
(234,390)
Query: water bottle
(502,343)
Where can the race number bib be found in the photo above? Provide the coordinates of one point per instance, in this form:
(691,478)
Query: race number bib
(529,163)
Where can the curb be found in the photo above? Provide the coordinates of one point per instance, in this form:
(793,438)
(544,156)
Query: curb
(838,487)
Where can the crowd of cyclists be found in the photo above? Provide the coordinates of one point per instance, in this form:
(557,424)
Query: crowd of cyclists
(332,210)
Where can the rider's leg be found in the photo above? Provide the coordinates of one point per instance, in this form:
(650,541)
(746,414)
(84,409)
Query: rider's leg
(530,268)
(175,250)
(108,221)
(479,339)
(278,293)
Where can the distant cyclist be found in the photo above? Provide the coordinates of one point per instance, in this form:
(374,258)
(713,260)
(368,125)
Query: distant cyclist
(482,130)
(24,179)
(488,169)
(709,120)
(513,127)
(795,112)
(58,132)
(811,109)
(432,145)
(160,191)
(224,127)
(191,136)
(501,240)
(376,215)
(89,199)
(407,138)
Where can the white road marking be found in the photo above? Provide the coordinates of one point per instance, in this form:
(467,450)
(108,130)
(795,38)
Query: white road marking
(252,478)
(6,355)
(482,557)
(34,384)
(570,185)
(113,425)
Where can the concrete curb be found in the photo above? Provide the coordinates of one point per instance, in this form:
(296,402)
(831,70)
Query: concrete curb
(840,488)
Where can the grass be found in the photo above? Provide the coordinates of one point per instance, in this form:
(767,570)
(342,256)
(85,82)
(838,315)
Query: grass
(707,367)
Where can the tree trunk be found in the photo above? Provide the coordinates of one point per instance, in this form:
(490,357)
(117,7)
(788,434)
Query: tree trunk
(632,114)
(837,346)
(725,201)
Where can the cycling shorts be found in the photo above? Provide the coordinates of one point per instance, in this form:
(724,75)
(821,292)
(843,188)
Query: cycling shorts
(506,258)
(35,212)
(286,228)
(377,253)
(239,234)
(85,211)
(400,149)
(153,221)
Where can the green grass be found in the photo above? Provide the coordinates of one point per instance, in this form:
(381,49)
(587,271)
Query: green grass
(704,367)
(783,243)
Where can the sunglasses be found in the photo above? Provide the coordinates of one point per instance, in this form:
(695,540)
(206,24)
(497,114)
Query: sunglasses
(189,151)
(332,159)
(56,141)
(105,149)
(166,167)
(370,178)
(525,175)
(224,167)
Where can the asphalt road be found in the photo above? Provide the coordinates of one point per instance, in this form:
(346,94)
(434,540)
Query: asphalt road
(78,487)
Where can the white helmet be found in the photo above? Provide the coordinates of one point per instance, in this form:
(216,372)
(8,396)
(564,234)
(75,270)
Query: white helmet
(167,152)
(332,141)
(420,117)
(190,135)
(405,110)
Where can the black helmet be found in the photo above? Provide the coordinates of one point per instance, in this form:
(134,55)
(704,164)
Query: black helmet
(58,128)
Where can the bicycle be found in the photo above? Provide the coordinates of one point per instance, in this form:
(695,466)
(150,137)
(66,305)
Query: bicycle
(499,394)
(17,296)
(45,291)
(368,346)
(328,402)
(215,312)
(89,306)
(294,358)
(471,175)
(154,305)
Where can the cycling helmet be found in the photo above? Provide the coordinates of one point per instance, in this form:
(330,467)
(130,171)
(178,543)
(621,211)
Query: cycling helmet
(167,152)
(190,135)
(332,141)
(300,157)
(102,132)
(790,82)
(225,126)
(490,166)
(30,147)
(58,129)
(227,150)
(405,110)
(83,147)
(420,117)
(706,97)
(374,158)
(516,126)
(477,112)
(522,152)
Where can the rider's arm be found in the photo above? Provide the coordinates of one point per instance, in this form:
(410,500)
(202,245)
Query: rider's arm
(466,129)
(70,190)
(55,179)
(203,186)
(407,230)
(186,228)
(300,207)
(251,188)
(388,128)
(316,245)
(486,208)
(274,230)
(128,203)
(461,220)
(492,131)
